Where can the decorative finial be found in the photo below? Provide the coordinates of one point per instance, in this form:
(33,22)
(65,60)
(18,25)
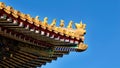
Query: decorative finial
(82,46)
(53,23)
(81,24)
(78,26)
(46,18)
(2,5)
(36,21)
(37,18)
(70,24)
(45,23)
(61,23)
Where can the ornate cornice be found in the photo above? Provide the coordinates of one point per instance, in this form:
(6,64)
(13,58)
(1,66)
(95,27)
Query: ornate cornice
(69,32)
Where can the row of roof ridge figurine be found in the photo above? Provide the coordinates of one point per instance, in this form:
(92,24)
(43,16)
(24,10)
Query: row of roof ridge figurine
(78,32)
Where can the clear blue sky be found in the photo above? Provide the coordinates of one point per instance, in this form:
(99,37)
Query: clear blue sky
(103,28)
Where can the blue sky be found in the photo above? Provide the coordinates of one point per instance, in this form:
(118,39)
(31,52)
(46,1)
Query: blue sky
(102,18)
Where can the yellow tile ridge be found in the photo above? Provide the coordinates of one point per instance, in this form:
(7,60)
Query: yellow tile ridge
(77,33)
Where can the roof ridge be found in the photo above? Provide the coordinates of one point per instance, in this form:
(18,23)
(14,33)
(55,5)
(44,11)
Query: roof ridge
(77,33)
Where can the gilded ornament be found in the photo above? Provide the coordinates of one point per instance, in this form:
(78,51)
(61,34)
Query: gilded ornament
(82,46)
(61,23)
(80,26)
(45,23)
(80,32)
(53,23)
(36,21)
(70,25)
(2,5)
(52,26)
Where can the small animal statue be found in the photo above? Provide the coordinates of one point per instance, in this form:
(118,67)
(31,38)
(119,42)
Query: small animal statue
(70,25)
(37,18)
(61,23)
(2,5)
(45,21)
(36,21)
(53,23)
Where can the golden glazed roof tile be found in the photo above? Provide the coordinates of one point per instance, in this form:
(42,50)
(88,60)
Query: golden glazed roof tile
(80,28)
(77,33)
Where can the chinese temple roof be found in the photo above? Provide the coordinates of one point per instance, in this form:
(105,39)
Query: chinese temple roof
(38,41)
